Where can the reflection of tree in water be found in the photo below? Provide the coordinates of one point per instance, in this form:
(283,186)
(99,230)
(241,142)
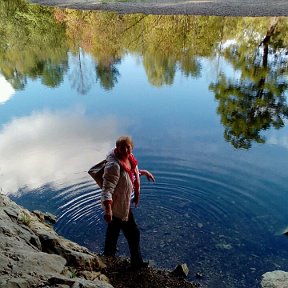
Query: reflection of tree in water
(190,66)
(35,42)
(165,43)
(160,70)
(40,38)
(31,44)
(16,79)
(257,101)
(51,73)
(80,74)
(107,73)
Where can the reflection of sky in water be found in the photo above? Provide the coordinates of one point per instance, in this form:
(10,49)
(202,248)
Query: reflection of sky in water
(7,90)
(225,201)
(44,147)
(46,126)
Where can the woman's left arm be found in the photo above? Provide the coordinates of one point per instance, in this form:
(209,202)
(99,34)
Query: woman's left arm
(148,175)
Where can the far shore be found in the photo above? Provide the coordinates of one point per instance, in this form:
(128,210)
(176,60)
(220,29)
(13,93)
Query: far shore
(244,8)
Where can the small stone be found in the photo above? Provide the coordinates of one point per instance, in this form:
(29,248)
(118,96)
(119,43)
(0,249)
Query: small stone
(50,218)
(199,275)
(55,280)
(103,278)
(224,246)
(39,214)
(90,275)
(181,270)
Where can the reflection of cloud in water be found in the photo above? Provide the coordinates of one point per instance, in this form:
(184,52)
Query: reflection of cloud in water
(6,89)
(47,147)
(279,141)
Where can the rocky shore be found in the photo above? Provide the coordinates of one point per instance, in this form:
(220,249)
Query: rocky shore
(33,255)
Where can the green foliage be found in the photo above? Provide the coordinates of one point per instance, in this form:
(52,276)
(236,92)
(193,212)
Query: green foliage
(35,41)
(25,219)
(165,43)
(107,74)
(74,273)
(256,101)
(32,44)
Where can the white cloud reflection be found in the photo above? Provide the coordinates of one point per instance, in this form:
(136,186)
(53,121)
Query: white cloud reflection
(52,148)
(280,140)
(6,90)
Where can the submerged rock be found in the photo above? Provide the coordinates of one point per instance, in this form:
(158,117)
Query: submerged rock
(199,275)
(275,279)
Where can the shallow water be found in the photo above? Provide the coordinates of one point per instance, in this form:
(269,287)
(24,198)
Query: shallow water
(206,103)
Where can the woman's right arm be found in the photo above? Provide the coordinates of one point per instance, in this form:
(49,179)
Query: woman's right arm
(110,180)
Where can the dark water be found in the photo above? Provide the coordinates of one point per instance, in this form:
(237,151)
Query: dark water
(205,99)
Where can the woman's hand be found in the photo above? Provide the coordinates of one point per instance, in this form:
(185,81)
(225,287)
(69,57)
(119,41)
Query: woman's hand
(148,175)
(108,213)
(136,198)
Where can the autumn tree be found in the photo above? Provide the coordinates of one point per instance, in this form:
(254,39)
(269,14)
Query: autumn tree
(32,44)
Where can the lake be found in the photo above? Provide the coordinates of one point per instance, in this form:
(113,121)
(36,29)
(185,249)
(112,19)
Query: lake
(205,100)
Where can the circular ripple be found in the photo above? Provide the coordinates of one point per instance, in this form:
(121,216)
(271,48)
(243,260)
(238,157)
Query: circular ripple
(206,193)
(79,208)
(197,207)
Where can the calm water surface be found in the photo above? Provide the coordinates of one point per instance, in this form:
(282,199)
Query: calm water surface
(205,99)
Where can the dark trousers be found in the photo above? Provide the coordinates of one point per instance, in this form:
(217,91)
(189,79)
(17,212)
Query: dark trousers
(131,233)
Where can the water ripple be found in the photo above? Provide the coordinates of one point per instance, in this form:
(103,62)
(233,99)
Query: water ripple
(78,204)
(198,193)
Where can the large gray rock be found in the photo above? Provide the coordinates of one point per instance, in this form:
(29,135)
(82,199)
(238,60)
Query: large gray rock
(275,279)
(38,263)
(33,255)
(76,255)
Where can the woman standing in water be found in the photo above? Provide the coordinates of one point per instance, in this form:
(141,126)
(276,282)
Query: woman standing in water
(122,177)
